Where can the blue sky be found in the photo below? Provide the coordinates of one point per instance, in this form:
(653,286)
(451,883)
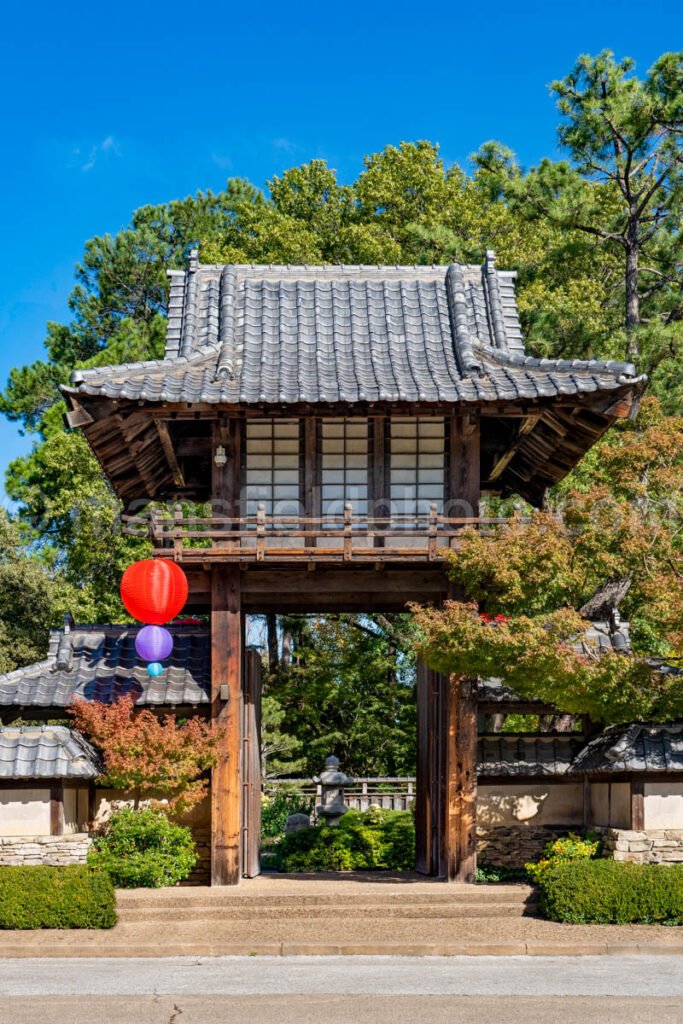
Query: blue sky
(107,107)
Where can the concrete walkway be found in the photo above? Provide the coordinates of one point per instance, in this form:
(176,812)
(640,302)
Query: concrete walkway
(365,990)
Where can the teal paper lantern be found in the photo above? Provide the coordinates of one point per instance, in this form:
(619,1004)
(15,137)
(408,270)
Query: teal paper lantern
(155,668)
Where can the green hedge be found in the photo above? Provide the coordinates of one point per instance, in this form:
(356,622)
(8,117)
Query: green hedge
(65,897)
(372,840)
(143,848)
(610,892)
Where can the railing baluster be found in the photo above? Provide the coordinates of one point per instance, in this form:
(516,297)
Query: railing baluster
(260,533)
(348,531)
(177,532)
(431,544)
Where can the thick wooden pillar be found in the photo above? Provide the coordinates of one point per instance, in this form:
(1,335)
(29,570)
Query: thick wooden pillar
(226,664)
(226,686)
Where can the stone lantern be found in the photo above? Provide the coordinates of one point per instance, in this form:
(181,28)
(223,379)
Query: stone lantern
(332,783)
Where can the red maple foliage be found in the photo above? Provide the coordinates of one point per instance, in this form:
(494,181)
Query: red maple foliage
(151,757)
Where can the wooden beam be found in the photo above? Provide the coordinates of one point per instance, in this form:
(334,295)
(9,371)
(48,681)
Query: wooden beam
(226,685)
(57,809)
(525,428)
(637,805)
(167,445)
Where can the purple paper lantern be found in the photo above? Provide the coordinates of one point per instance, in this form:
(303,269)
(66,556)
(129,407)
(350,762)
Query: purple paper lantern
(153,643)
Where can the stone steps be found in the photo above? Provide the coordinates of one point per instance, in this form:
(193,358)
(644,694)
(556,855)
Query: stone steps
(324,913)
(234,898)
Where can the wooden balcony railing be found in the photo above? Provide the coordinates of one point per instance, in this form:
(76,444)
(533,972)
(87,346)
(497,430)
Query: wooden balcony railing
(286,537)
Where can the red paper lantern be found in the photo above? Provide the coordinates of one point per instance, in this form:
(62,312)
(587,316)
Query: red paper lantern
(154,590)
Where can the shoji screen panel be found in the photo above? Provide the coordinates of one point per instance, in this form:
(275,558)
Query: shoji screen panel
(272,466)
(344,465)
(417,464)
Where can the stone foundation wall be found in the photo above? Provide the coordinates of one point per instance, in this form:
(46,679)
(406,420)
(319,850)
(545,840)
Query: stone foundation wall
(47,850)
(511,846)
(660,846)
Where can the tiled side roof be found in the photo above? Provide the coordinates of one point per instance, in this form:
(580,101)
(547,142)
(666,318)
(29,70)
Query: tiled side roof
(292,334)
(517,755)
(100,663)
(640,747)
(45,752)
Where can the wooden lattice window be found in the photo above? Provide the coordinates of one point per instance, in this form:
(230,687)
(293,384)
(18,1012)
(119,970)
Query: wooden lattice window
(417,463)
(272,466)
(344,465)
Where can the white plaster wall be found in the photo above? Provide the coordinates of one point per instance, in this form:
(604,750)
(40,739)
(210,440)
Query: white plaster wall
(25,812)
(107,800)
(533,803)
(663,805)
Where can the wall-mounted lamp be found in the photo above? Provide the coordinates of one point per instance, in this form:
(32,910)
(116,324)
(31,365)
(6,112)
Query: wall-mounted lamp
(220,458)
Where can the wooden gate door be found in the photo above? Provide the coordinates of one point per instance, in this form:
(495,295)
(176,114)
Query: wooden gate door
(251,765)
(429,788)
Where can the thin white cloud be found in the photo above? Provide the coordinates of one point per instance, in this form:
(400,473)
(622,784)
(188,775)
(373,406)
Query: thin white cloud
(107,147)
(286,144)
(222,160)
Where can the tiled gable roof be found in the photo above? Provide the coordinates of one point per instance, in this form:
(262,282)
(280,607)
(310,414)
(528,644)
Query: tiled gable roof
(45,752)
(298,334)
(100,663)
(640,747)
(528,756)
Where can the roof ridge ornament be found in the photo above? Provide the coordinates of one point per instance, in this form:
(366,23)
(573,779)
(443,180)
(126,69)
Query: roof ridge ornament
(495,302)
(470,366)
(227,353)
(187,334)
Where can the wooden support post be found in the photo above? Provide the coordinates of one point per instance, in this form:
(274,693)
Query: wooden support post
(637,805)
(460,803)
(226,666)
(463,470)
(226,686)
(311,476)
(378,472)
(57,809)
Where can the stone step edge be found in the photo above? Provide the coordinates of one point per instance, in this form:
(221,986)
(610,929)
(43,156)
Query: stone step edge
(283,949)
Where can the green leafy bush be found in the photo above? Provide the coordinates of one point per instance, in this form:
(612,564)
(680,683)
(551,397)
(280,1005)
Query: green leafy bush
(371,840)
(497,873)
(610,892)
(276,809)
(77,896)
(143,848)
(565,850)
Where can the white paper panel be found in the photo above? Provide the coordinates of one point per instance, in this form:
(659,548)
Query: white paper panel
(344,466)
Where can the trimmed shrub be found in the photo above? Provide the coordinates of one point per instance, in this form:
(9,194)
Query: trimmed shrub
(372,840)
(77,896)
(611,892)
(566,850)
(276,809)
(143,848)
